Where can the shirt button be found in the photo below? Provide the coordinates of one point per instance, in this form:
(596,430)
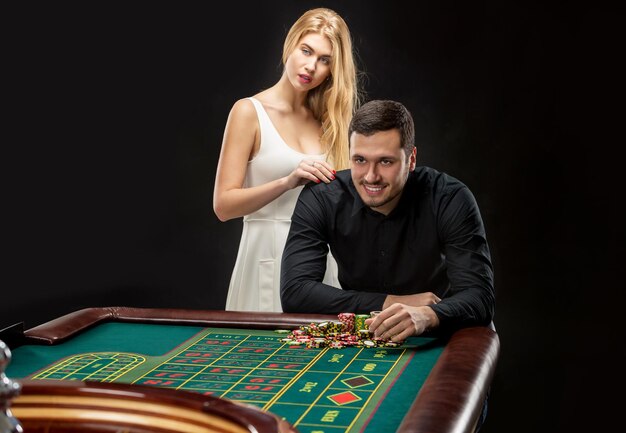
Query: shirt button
(382,253)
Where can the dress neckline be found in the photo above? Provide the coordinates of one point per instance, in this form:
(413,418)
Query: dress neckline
(280,136)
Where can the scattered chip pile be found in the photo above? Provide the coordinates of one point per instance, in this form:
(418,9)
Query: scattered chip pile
(349,330)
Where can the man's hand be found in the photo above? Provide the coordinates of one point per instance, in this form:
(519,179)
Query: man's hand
(416,300)
(400,321)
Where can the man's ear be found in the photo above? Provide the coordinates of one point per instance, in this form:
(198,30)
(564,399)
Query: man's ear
(413,159)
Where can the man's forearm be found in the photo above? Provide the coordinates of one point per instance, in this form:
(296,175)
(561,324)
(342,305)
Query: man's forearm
(303,296)
(470,307)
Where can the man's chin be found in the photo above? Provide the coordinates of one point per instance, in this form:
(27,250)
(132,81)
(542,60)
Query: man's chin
(374,204)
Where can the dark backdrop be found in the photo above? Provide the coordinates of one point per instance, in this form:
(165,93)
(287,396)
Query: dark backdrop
(118,115)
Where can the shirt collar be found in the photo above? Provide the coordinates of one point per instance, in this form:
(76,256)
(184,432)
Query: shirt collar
(357,203)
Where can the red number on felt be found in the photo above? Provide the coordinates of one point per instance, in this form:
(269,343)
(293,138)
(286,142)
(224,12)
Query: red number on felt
(287,366)
(225,343)
(258,388)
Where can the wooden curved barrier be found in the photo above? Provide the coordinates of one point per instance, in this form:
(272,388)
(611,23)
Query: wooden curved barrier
(71,407)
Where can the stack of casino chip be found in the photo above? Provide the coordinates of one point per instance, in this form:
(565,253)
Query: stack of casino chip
(348,321)
(349,330)
(359,322)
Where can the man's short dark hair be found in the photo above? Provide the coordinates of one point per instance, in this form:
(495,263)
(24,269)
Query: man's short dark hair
(383,115)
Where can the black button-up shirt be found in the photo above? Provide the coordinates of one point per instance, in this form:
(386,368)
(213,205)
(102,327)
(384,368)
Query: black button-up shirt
(434,240)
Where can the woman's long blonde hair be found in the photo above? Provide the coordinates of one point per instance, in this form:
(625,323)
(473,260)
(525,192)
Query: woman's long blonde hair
(334,101)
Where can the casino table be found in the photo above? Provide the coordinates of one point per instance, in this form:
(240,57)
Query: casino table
(236,368)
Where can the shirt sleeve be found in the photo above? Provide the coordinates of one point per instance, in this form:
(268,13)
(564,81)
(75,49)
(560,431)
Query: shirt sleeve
(304,264)
(470,299)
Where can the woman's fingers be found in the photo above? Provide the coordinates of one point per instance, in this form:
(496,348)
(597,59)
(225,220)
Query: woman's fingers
(321,170)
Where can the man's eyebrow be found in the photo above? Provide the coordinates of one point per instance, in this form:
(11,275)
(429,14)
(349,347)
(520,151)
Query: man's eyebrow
(379,157)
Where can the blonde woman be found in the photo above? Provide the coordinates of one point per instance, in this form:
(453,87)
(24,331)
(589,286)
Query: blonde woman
(290,134)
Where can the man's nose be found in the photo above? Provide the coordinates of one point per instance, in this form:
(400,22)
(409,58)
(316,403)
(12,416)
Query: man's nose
(372,175)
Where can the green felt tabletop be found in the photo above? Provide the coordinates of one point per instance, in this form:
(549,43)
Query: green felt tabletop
(317,390)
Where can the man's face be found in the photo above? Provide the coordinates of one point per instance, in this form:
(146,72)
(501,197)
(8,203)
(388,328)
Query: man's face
(380,168)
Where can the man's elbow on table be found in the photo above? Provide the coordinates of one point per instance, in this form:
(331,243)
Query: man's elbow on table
(291,298)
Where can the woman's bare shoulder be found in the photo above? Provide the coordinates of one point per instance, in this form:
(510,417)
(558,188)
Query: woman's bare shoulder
(243,110)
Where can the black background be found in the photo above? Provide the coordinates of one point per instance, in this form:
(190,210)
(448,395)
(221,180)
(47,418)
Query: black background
(117,114)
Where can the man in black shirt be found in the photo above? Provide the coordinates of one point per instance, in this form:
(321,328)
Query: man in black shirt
(408,241)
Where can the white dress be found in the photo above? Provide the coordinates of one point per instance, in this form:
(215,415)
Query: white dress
(255,281)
